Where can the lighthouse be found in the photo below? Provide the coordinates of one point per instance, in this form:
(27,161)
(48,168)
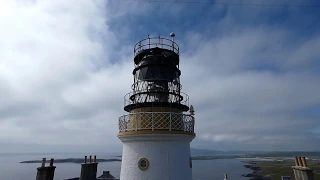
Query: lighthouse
(158,127)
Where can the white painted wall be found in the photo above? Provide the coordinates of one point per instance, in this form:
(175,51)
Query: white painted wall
(168,156)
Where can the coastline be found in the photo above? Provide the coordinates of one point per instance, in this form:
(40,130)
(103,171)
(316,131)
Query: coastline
(255,171)
(275,168)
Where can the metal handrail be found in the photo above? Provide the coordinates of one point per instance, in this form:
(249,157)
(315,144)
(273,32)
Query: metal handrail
(152,42)
(173,98)
(156,121)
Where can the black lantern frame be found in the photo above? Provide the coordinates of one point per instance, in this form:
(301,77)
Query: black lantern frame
(156,76)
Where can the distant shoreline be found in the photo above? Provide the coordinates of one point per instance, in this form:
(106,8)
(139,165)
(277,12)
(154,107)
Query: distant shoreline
(214,157)
(257,157)
(80,160)
(71,160)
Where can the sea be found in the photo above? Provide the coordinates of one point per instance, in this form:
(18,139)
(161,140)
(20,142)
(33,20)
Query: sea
(11,169)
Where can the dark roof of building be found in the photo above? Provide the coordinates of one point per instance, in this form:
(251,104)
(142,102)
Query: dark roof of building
(106,175)
(285,178)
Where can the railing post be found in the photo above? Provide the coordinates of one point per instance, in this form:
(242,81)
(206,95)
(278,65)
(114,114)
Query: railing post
(161,40)
(119,124)
(135,118)
(183,123)
(172,46)
(123,123)
(170,122)
(193,122)
(186,123)
(149,41)
(152,123)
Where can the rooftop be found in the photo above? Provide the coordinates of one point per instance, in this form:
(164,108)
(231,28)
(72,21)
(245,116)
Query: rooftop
(106,175)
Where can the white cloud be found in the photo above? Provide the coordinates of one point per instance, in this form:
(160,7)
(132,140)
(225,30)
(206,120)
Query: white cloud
(56,77)
(64,71)
(236,101)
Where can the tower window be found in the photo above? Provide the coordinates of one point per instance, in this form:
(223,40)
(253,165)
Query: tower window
(143,164)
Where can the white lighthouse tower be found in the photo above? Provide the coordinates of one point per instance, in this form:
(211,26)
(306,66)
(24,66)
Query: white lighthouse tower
(156,133)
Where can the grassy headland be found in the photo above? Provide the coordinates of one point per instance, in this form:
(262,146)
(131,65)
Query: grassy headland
(276,169)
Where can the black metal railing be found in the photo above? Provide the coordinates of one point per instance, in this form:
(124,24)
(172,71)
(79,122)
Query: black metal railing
(145,97)
(152,42)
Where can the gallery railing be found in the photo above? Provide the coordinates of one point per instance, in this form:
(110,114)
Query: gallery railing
(156,121)
(152,42)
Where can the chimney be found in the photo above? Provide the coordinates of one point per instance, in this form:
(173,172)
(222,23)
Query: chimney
(300,161)
(43,163)
(45,173)
(301,170)
(225,176)
(296,171)
(51,162)
(304,162)
(94,167)
(296,160)
(89,170)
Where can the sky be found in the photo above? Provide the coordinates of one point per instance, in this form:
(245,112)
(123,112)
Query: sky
(250,67)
